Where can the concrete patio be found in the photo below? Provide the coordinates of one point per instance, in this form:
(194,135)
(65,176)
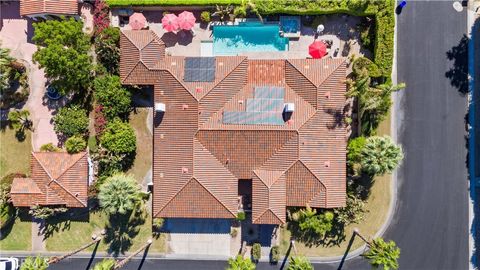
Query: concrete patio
(340,29)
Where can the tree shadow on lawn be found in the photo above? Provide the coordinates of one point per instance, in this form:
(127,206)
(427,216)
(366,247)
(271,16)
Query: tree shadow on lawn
(62,222)
(121,229)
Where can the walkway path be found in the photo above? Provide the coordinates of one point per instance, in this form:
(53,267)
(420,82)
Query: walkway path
(38,245)
(15,35)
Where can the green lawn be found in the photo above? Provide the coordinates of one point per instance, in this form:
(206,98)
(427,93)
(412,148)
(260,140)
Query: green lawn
(69,235)
(18,236)
(14,154)
(377,206)
(143,159)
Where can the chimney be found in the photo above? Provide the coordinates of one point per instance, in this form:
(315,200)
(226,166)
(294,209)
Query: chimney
(289,107)
(160,107)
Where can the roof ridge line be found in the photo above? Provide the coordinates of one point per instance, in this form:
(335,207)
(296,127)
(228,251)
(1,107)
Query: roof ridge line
(43,167)
(319,180)
(66,190)
(330,75)
(276,151)
(184,186)
(69,167)
(226,76)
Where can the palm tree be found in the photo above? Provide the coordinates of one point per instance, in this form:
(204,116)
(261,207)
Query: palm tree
(105,264)
(240,263)
(381,253)
(380,155)
(96,239)
(37,263)
(19,120)
(223,12)
(125,261)
(6,70)
(299,263)
(119,194)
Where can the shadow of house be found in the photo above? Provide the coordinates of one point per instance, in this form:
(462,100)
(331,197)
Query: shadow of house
(62,222)
(197,225)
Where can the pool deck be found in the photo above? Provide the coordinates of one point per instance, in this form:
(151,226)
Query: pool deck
(338,28)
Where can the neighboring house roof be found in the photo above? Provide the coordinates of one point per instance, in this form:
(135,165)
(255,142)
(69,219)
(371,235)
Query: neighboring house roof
(57,7)
(57,178)
(199,158)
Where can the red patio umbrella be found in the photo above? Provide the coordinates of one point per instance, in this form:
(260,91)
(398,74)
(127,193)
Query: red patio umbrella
(186,20)
(170,22)
(137,21)
(317,49)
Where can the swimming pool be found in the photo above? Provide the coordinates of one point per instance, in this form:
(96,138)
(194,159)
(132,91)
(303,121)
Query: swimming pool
(247,37)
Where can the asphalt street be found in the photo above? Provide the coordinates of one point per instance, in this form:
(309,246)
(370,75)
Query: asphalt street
(431,220)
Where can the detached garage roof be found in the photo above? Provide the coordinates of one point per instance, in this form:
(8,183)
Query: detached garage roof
(231,123)
(57,178)
(57,7)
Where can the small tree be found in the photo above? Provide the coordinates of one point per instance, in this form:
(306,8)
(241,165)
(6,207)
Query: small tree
(71,121)
(19,120)
(75,144)
(63,53)
(205,16)
(256,252)
(274,254)
(299,263)
(107,48)
(119,194)
(353,212)
(309,221)
(239,263)
(34,263)
(381,253)
(114,99)
(380,155)
(119,138)
(105,264)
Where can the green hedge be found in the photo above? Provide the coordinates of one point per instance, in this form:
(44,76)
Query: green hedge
(382,10)
(121,3)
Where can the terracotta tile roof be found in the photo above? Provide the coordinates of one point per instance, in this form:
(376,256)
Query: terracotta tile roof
(57,7)
(198,159)
(57,178)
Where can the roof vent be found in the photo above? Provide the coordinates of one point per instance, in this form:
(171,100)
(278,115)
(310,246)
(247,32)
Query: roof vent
(160,107)
(226,161)
(220,64)
(307,66)
(162,136)
(289,107)
(184,106)
(240,101)
(161,175)
(162,93)
(76,194)
(327,164)
(327,94)
(198,89)
(173,63)
(184,170)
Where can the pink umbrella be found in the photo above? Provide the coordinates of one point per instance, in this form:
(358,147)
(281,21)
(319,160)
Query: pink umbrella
(170,22)
(137,21)
(186,20)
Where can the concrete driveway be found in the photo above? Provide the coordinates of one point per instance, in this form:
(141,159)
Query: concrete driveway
(205,237)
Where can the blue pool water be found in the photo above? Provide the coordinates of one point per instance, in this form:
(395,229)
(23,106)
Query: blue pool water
(247,37)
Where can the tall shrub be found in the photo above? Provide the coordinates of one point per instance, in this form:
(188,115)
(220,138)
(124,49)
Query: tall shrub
(101,19)
(114,99)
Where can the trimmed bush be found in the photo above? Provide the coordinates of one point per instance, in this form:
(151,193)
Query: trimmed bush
(274,254)
(107,48)
(71,121)
(119,138)
(75,144)
(205,16)
(354,149)
(233,232)
(45,212)
(49,147)
(240,216)
(114,99)
(256,252)
(157,224)
(7,215)
(362,63)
